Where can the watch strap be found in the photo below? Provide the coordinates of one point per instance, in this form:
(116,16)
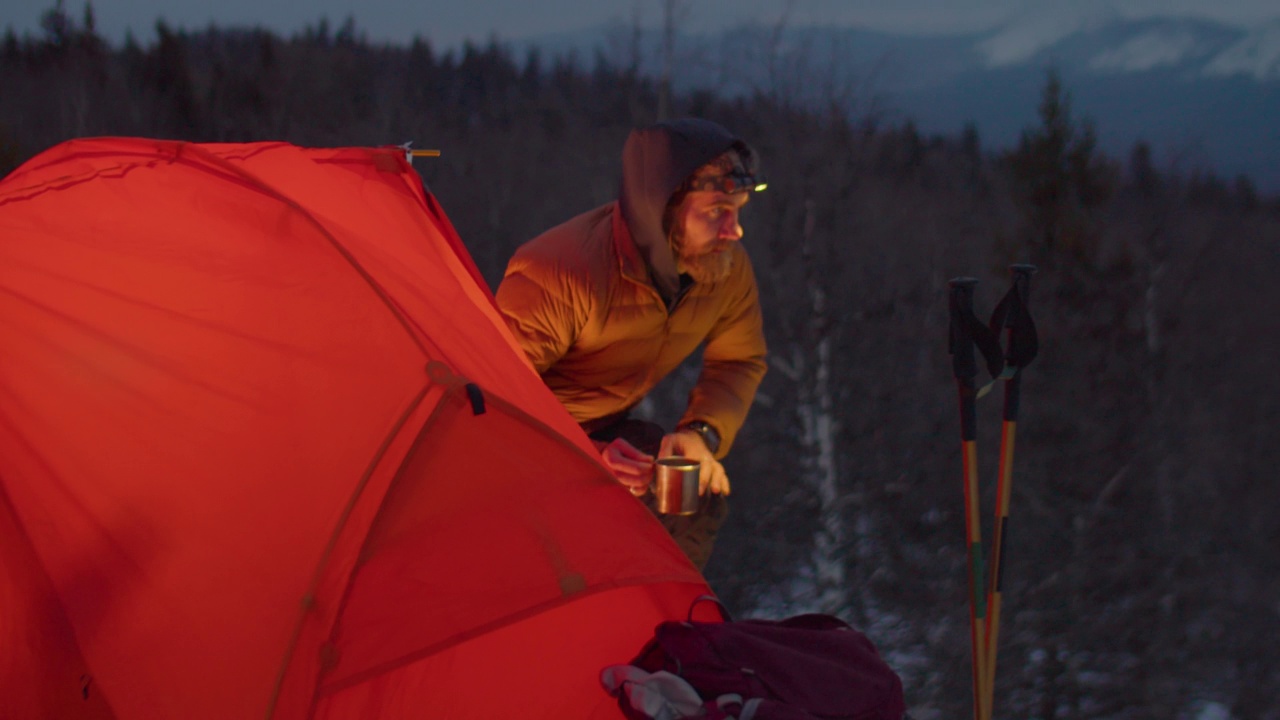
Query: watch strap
(708,434)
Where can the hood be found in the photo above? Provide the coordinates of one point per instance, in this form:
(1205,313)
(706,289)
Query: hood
(655,161)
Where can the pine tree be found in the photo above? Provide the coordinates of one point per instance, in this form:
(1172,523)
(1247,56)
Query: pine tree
(1060,182)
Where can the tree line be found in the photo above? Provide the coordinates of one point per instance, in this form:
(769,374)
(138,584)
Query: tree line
(1141,575)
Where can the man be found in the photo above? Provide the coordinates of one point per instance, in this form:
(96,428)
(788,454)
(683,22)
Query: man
(608,303)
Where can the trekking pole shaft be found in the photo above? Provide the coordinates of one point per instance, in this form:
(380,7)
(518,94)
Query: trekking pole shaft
(1021,352)
(1003,490)
(977,585)
(962,349)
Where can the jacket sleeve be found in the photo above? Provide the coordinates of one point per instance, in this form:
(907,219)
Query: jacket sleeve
(539,311)
(733,364)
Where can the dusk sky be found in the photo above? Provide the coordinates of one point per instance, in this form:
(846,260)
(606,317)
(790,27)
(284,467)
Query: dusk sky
(446,24)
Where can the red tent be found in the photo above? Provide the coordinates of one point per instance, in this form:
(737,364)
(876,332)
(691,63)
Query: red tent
(267,450)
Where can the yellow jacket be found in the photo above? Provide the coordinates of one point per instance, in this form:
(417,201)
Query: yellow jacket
(580,301)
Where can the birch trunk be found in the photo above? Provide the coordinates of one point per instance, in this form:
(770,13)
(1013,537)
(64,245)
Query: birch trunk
(820,430)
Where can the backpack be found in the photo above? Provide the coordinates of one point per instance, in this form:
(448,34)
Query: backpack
(806,667)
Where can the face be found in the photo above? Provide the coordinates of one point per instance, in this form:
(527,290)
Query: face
(704,227)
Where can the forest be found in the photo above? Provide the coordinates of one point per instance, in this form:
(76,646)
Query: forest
(1142,562)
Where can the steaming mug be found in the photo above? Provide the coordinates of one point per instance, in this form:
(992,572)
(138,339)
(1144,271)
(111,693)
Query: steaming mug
(675,485)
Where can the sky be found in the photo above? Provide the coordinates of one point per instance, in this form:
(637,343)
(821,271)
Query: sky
(446,23)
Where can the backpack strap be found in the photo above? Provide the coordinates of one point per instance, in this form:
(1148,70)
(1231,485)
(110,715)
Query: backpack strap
(724,611)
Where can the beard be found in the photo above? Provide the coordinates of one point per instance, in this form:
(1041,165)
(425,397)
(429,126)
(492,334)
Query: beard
(712,264)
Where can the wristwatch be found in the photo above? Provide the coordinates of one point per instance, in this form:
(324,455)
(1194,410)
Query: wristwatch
(708,434)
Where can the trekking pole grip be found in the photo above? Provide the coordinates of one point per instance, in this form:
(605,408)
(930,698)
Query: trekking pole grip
(1024,343)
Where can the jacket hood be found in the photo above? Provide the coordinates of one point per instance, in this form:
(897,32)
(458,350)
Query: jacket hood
(656,160)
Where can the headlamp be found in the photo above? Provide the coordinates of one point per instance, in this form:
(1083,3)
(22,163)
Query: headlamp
(728,183)
(733,171)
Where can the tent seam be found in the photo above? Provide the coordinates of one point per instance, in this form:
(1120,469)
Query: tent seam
(309,597)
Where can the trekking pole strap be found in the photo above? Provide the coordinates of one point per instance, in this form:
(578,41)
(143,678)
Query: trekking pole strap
(1013,312)
(968,332)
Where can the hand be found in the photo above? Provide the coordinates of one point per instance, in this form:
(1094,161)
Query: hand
(630,466)
(687,443)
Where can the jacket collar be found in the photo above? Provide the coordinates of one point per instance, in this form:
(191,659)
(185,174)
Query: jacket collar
(633,267)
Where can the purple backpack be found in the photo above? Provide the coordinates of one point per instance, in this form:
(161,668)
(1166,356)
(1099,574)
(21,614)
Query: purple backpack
(802,668)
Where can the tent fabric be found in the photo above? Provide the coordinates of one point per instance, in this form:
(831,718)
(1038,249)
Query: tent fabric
(268,450)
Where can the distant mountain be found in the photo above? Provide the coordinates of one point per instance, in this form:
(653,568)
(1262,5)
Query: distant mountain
(1204,95)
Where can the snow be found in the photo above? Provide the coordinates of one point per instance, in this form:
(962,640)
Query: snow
(1212,711)
(1042,28)
(1256,55)
(1148,50)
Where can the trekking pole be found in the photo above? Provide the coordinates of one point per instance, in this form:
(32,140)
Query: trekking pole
(1014,314)
(965,332)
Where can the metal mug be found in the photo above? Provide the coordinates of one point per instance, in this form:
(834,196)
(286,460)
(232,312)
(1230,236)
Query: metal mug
(675,485)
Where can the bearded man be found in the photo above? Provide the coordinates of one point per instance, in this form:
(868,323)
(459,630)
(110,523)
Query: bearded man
(608,303)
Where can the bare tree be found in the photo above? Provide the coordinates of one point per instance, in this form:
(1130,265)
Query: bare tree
(673,13)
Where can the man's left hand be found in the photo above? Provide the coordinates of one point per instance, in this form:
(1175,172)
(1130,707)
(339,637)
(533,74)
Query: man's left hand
(687,443)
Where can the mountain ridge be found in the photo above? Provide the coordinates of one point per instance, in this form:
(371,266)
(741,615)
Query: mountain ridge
(1203,94)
